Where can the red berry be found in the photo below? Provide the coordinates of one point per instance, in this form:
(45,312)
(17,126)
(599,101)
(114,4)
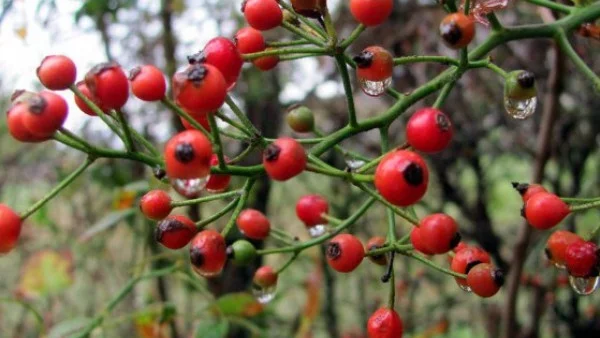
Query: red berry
(375,243)
(371,12)
(527,190)
(545,210)
(208,253)
(374,63)
(345,252)
(581,259)
(223,54)
(284,159)
(82,87)
(457,30)
(465,259)
(46,114)
(266,63)
(148,83)
(57,72)
(310,209)
(385,323)
(202,119)
(439,233)
(249,40)
(253,224)
(402,177)
(429,130)
(187,155)
(262,14)
(309,8)
(265,277)
(175,232)
(557,244)
(200,88)
(416,238)
(16,127)
(156,204)
(484,280)
(217,182)
(108,84)
(460,246)
(10,228)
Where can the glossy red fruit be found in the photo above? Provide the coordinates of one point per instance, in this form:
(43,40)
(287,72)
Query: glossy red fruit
(108,84)
(557,244)
(200,88)
(374,63)
(208,253)
(266,63)
(262,14)
(57,72)
(416,239)
(439,233)
(265,277)
(309,8)
(581,259)
(429,130)
(82,87)
(375,243)
(345,253)
(202,119)
(545,210)
(187,155)
(249,40)
(46,114)
(385,323)
(175,232)
(310,209)
(284,159)
(460,246)
(10,229)
(253,224)
(217,182)
(527,190)
(371,12)
(156,204)
(148,83)
(457,30)
(484,280)
(16,127)
(402,177)
(223,54)
(466,259)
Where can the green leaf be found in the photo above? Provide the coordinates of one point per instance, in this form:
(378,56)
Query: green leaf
(68,327)
(241,304)
(210,329)
(46,273)
(106,222)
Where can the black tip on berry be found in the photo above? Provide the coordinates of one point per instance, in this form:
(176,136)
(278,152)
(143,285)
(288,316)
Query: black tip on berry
(379,257)
(455,240)
(523,211)
(165,226)
(443,122)
(37,104)
(272,152)
(364,59)
(184,152)
(159,173)
(134,72)
(526,79)
(390,269)
(548,253)
(520,187)
(196,257)
(471,265)
(230,252)
(451,33)
(413,174)
(334,251)
(196,58)
(498,277)
(196,73)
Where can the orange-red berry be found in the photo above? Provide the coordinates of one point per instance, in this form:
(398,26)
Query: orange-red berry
(108,85)
(10,228)
(284,159)
(253,224)
(457,30)
(344,253)
(187,155)
(402,177)
(156,204)
(148,83)
(175,232)
(545,210)
(208,253)
(57,72)
(385,323)
(484,280)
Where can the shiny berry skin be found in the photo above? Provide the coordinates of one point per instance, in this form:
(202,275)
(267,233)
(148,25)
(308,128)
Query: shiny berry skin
(371,12)
(221,53)
(217,182)
(466,259)
(484,280)
(429,130)
(202,119)
(265,277)
(520,85)
(200,88)
(16,127)
(344,253)
(284,159)
(557,244)
(385,323)
(148,83)
(310,209)
(375,243)
(208,253)
(374,63)
(156,204)
(57,72)
(253,224)
(249,40)
(457,30)
(300,119)
(545,210)
(266,63)
(402,177)
(82,87)
(527,190)
(241,252)
(187,155)
(581,259)
(262,14)
(46,114)
(439,233)
(416,239)
(108,84)
(175,232)
(10,228)
(309,8)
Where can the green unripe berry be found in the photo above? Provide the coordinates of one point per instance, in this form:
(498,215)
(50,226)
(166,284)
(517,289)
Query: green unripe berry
(520,85)
(300,119)
(241,252)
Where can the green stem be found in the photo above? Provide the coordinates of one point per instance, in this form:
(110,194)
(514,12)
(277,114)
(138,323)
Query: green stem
(234,193)
(75,138)
(288,263)
(592,233)
(329,27)
(39,320)
(240,205)
(242,117)
(585,206)
(340,173)
(233,123)
(348,89)
(183,114)
(299,42)
(443,94)
(497,70)
(467,7)
(494,22)
(242,155)
(425,58)
(204,222)
(217,145)
(392,207)
(552,5)
(579,199)
(421,258)
(302,33)
(564,44)
(285,51)
(353,36)
(126,130)
(304,20)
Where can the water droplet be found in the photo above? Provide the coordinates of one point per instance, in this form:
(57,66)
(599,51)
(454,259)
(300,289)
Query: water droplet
(264,295)
(189,188)
(464,287)
(584,286)
(375,88)
(559,265)
(520,109)
(317,230)
(354,163)
(204,273)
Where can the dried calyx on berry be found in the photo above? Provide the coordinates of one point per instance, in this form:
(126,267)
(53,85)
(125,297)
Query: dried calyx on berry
(364,59)
(196,58)
(520,85)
